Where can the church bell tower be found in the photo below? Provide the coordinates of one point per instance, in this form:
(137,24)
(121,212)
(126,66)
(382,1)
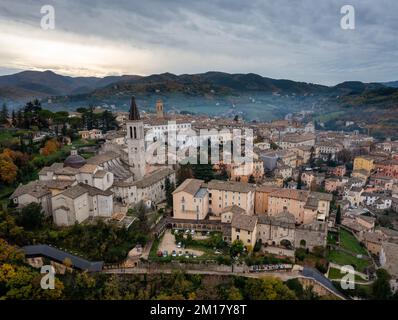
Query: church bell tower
(159,109)
(136,142)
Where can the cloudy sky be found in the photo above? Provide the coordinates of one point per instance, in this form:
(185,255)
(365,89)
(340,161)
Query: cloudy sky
(291,39)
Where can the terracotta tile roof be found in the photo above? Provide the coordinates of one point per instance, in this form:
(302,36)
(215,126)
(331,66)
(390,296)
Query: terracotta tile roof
(81,188)
(102,158)
(88,168)
(36,189)
(233,186)
(190,186)
(153,178)
(234,209)
(300,195)
(243,221)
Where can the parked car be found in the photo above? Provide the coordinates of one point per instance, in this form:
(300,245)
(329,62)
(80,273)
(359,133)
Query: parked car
(160,254)
(187,231)
(165,253)
(192,232)
(179,245)
(217,252)
(174,253)
(180,253)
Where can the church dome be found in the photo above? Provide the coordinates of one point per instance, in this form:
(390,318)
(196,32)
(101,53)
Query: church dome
(74,160)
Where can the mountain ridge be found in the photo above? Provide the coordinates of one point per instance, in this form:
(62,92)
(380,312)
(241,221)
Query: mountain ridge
(41,84)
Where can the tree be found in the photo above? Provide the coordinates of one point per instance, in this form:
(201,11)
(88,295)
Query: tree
(142,216)
(299,181)
(31,216)
(381,289)
(273,145)
(4,114)
(312,156)
(18,281)
(50,147)
(8,170)
(236,248)
(234,294)
(203,172)
(111,289)
(13,119)
(268,288)
(169,188)
(338,215)
(184,172)
(345,156)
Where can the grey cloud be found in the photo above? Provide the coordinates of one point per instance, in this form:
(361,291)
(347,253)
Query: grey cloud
(298,39)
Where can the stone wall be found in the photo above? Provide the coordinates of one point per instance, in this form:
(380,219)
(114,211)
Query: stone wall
(314,235)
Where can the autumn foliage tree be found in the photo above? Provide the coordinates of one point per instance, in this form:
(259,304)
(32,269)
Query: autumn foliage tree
(8,170)
(50,147)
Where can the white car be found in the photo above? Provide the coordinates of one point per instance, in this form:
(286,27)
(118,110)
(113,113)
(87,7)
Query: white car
(187,231)
(179,245)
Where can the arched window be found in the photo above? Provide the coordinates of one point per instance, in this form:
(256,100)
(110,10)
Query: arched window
(135,133)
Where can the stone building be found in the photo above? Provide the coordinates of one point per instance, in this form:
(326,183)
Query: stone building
(244,228)
(135,142)
(80,202)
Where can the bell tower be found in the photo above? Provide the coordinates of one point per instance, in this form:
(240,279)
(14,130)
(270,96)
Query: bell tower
(135,142)
(159,109)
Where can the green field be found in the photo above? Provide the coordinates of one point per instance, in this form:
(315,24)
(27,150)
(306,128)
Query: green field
(332,238)
(343,258)
(336,274)
(349,242)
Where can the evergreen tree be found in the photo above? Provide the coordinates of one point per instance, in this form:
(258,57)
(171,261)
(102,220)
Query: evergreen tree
(4,114)
(169,188)
(381,289)
(338,215)
(19,119)
(184,172)
(299,182)
(312,156)
(14,119)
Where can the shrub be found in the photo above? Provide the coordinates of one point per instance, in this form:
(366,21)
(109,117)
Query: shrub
(300,254)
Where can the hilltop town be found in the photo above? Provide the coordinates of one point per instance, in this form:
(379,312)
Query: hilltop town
(307,202)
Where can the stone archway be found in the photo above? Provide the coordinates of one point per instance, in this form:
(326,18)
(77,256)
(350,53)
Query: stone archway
(286,243)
